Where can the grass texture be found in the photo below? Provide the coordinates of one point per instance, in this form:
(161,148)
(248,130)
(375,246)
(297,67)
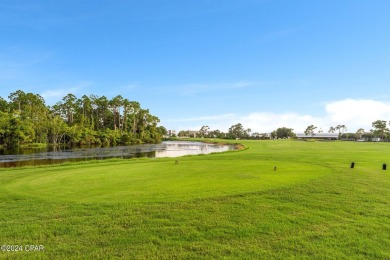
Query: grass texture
(229,205)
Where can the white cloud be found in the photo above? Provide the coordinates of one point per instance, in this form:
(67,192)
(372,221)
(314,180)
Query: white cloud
(220,122)
(55,93)
(267,122)
(52,96)
(357,113)
(257,122)
(354,113)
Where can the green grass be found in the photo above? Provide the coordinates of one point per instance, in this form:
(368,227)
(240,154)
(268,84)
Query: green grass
(229,205)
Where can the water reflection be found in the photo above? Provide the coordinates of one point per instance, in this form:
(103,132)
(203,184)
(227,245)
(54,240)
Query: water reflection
(52,155)
(176,149)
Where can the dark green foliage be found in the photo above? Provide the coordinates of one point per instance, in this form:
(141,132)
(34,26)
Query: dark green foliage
(380,129)
(310,130)
(73,121)
(3,105)
(238,132)
(284,133)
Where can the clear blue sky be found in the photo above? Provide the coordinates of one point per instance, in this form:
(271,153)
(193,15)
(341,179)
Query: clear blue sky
(263,63)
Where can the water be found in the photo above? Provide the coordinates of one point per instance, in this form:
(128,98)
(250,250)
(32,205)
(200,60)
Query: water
(52,155)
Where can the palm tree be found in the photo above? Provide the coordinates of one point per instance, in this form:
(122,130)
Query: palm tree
(126,108)
(310,130)
(102,104)
(134,110)
(332,129)
(17,98)
(115,104)
(380,128)
(70,106)
(341,129)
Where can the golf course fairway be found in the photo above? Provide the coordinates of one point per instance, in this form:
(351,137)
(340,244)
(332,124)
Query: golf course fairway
(273,199)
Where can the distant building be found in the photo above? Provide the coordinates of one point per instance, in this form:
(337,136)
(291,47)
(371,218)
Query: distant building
(261,135)
(188,133)
(171,132)
(325,136)
(193,133)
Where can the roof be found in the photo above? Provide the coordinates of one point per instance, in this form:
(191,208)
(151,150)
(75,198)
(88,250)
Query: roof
(319,135)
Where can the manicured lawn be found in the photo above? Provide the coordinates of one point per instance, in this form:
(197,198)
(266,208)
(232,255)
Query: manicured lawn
(230,205)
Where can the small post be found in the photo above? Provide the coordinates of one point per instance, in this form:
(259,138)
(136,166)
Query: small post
(384,166)
(352,165)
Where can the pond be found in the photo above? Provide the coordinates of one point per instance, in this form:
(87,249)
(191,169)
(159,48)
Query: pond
(54,155)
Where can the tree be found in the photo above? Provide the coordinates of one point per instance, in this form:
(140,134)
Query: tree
(102,108)
(85,120)
(126,110)
(4,107)
(85,112)
(162,131)
(203,132)
(341,129)
(153,132)
(35,111)
(183,133)
(57,129)
(73,134)
(284,132)
(256,135)
(115,104)
(134,108)
(238,132)
(18,132)
(17,98)
(310,130)
(4,124)
(380,128)
(95,112)
(332,129)
(217,134)
(69,106)
(359,133)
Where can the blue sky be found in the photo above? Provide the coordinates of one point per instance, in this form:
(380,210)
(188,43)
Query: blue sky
(265,64)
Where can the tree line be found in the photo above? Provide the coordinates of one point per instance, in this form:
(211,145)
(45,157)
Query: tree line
(379,131)
(26,119)
(235,132)
(238,131)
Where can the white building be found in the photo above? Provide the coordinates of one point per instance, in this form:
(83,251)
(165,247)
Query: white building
(172,132)
(326,136)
